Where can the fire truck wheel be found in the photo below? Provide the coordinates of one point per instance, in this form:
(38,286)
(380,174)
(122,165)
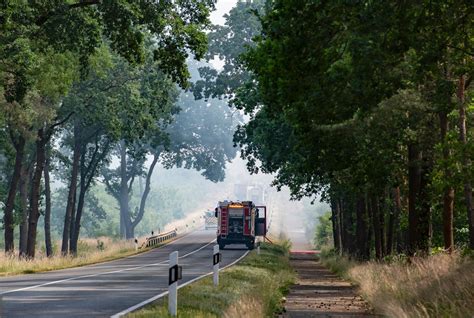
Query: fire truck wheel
(250,245)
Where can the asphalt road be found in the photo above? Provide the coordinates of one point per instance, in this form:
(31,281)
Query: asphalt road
(105,289)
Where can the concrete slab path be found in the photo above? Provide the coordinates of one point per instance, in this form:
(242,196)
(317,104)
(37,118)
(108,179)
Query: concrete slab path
(320,293)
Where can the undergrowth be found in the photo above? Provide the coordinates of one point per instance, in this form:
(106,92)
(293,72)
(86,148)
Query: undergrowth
(252,288)
(440,285)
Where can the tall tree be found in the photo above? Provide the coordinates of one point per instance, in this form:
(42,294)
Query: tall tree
(34,32)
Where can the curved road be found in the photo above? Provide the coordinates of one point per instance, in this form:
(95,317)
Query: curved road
(105,289)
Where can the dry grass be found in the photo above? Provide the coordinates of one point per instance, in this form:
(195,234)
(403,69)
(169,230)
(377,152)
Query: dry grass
(437,286)
(246,307)
(90,251)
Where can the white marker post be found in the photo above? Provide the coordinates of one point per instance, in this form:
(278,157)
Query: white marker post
(216,258)
(174,272)
(258,248)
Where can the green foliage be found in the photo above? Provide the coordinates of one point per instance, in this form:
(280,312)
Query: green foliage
(339,93)
(47,46)
(29,29)
(323,235)
(227,43)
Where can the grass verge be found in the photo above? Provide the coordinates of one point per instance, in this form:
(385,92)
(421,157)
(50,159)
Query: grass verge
(252,288)
(440,285)
(90,251)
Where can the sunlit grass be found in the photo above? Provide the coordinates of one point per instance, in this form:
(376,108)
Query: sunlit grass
(252,288)
(437,286)
(90,251)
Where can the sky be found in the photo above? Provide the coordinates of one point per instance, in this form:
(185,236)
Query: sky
(222,7)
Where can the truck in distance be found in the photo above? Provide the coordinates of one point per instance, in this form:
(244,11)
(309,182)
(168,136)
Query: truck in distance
(240,223)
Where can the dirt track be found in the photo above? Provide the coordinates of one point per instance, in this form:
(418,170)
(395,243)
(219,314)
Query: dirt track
(319,293)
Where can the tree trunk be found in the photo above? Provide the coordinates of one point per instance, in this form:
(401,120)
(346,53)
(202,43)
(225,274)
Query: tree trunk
(24,185)
(47,211)
(87,175)
(346,207)
(376,227)
(448,191)
(414,173)
(419,208)
(125,222)
(382,212)
(343,224)
(466,163)
(77,223)
(402,236)
(394,220)
(71,198)
(8,219)
(361,230)
(145,193)
(338,225)
(424,224)
(36,193)
(335,225)
(84,186)
(370,214)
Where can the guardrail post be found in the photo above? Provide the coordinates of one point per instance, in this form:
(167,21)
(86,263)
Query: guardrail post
(175,274)
(216,258)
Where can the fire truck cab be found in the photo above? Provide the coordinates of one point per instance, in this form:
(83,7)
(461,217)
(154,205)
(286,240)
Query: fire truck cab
(240,223)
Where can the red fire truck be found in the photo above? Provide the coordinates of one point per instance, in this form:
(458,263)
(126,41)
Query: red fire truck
(240,223)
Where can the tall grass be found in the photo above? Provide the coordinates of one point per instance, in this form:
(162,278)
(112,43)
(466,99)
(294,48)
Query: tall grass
(89,251)
(440,285)
(252,289)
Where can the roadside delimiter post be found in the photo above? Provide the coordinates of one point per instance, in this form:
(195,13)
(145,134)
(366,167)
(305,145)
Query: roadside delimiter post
(216,258)
(175,274)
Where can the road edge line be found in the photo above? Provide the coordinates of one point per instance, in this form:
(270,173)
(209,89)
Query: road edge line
(100,274)
(149,300)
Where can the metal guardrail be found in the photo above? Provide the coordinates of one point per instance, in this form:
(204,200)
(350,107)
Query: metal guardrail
(160,238)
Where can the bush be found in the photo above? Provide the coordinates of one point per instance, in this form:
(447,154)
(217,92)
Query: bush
(323,235)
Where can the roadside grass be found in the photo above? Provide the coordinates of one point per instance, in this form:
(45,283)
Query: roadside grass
(440,285)
(252,288)
(90,251)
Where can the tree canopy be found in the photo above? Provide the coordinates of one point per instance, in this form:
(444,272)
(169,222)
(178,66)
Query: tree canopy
(345,99)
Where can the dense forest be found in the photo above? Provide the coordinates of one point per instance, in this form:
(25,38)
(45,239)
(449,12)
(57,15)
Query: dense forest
(365,104)
(368,104)
(371,102)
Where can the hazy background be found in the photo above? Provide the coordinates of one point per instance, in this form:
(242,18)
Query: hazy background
(176,193)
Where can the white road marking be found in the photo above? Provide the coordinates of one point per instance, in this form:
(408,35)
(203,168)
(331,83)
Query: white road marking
(99,274)
(190,253)
(146,302)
